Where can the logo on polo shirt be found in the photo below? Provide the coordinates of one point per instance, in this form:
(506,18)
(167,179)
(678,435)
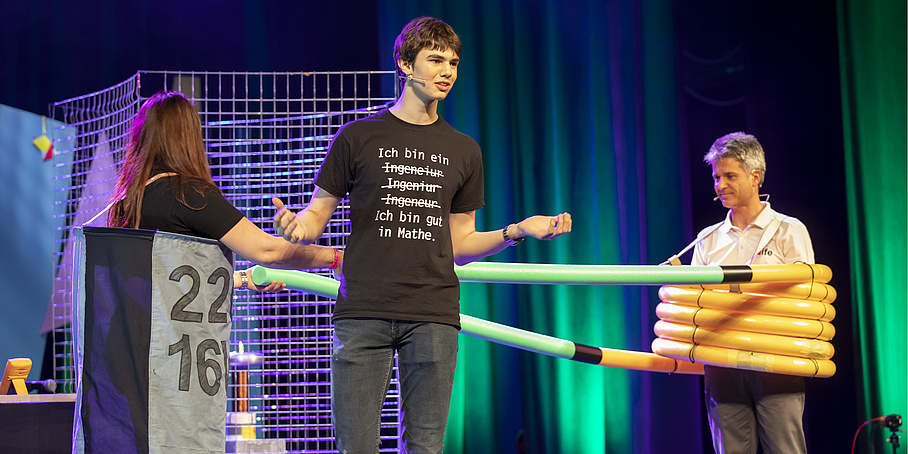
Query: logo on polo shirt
(766,251)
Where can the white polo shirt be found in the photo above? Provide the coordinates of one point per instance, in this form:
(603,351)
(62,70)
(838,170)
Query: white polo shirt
(729,245)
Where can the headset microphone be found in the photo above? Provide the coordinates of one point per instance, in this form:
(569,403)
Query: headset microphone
(417,79)
(761,195)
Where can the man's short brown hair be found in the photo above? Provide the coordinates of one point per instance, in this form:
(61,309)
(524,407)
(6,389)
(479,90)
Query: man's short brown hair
(424,33)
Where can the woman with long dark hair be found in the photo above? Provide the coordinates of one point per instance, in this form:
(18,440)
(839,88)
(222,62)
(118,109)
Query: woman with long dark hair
(165,184)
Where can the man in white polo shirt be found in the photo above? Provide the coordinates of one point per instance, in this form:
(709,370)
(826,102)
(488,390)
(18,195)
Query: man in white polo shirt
(747,408)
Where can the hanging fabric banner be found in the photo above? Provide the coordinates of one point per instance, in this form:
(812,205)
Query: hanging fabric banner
(151,336)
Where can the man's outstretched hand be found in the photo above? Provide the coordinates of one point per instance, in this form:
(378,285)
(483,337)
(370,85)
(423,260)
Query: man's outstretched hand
(545,227)
(285,223)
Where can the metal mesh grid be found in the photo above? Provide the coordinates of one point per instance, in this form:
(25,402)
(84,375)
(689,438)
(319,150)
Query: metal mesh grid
(84,176)
(266,135)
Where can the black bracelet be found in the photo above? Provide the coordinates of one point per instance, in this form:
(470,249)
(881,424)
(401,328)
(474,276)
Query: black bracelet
(509,240)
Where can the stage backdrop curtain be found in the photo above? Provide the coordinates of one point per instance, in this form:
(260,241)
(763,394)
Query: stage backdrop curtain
(873,72)
(575,107)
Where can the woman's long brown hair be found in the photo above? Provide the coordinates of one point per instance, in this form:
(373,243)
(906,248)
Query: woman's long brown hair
(166,136)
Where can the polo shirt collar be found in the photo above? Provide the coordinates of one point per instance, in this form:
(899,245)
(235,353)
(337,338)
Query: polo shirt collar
(762,221)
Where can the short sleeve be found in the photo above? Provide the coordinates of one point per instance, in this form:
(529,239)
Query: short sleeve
(471,195)
(795,243)
(209,215)
(335,174)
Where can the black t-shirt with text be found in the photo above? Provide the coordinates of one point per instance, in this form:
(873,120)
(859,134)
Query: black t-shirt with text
(403,181)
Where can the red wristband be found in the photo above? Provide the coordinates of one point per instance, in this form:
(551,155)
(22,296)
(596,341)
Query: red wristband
(337,259)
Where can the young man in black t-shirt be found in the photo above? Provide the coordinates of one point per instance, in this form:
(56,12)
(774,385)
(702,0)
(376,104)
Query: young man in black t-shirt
(414,184)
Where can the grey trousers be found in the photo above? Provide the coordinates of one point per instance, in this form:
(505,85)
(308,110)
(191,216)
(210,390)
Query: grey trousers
(745,407)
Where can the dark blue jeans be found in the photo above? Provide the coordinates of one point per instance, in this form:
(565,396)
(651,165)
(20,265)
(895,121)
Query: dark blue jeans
(360,375)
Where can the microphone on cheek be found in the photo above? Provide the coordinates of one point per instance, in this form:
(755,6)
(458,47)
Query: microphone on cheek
(716,198)
(410,77)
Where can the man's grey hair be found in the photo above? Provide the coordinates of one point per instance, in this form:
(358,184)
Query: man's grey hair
(743,147)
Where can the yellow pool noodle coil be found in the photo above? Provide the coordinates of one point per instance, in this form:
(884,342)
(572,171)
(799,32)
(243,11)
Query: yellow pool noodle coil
(779,328)
(742,321)
(749,303)
(805,291)
(795,273)
(742,340)
(740,359)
